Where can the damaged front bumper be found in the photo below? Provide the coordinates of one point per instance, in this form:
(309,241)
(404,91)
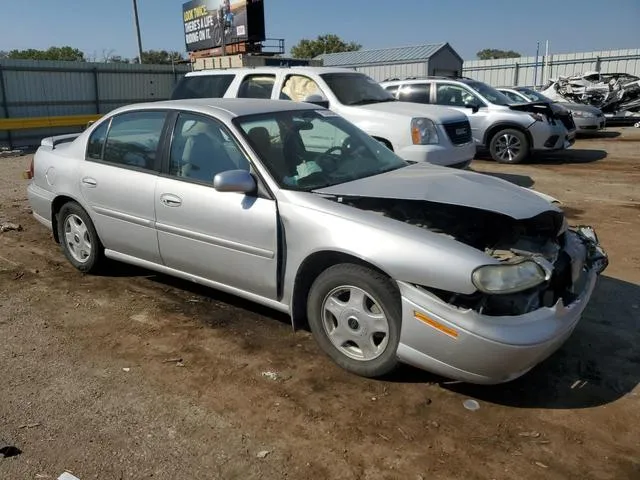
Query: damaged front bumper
(466,345)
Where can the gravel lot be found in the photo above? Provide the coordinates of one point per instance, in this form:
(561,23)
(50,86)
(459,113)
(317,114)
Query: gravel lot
(136,375)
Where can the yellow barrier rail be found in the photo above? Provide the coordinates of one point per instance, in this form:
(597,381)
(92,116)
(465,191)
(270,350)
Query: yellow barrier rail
(46,122)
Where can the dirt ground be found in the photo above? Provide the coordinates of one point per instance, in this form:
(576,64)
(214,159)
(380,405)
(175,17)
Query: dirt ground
(136,375)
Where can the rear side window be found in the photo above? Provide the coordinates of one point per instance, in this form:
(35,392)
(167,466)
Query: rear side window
(133,139)
(257,86)
(96,141)
(392,89)
(202,86)
(417,93)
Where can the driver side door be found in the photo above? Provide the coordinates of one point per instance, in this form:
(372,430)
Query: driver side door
(455,96)
(227,238)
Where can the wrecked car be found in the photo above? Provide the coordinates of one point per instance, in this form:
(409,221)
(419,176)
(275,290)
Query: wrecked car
(291,206)
(613,93)
(588,119)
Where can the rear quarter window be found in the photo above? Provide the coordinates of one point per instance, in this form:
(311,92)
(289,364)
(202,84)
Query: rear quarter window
(202,86)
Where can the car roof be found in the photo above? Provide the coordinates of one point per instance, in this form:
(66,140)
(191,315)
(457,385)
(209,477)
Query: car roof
(223,107)
(409,81)
(271,70)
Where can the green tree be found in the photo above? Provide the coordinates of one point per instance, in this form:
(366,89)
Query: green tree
(65,53)
(160,57)
(329,43)
(493,53)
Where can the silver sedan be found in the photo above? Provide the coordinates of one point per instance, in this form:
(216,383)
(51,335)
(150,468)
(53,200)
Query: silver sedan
(291,206)
(588,119)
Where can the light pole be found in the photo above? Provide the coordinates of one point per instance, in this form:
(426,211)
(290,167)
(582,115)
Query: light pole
(135,15)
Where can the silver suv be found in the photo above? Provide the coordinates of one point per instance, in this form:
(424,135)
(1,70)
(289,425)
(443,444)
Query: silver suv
(510,132)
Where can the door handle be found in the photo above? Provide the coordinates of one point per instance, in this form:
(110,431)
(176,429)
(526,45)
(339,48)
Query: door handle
(170,200)
(90,182)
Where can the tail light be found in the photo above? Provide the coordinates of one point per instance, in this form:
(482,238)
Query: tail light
(29,173)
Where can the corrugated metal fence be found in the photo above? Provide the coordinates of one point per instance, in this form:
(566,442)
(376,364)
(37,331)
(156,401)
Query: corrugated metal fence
(41,89)
(522,71)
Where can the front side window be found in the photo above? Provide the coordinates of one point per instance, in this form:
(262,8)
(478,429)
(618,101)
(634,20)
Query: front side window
(417,93)
(311,149)
(133,139)
(356,89)
(514,97)
(257,86)
(95,145)
(455,96)
(491,94)
(201,148)
(534,96)
(202,86)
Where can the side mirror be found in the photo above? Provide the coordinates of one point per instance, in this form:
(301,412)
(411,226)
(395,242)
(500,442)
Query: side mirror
(236,181)
(317,99)
(473,106)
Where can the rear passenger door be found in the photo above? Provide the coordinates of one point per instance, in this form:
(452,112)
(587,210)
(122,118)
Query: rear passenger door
(118,181)
(256,86)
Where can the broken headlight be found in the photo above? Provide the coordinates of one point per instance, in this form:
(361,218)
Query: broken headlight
(509,277)
(423,132)
(581,114)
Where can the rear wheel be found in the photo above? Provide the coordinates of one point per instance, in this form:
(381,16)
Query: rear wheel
(79,238)
(355,316)
(509,146)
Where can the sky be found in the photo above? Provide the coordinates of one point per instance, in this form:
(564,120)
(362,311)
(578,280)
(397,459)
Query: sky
(106,27)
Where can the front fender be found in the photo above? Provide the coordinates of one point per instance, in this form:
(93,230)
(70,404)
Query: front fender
(404,252)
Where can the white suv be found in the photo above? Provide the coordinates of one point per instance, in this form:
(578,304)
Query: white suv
(415,132)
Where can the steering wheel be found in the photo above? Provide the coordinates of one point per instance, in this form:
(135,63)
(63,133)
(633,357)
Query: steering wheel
(329,160)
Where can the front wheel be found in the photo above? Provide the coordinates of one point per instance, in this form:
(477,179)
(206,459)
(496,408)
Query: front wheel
(79,238)
(355,316)
(509,146)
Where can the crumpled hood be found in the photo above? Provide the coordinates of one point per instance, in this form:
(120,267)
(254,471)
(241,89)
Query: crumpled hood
(448,186)
(433,112)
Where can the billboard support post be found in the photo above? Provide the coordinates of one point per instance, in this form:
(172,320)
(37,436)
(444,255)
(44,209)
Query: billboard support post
(135,16)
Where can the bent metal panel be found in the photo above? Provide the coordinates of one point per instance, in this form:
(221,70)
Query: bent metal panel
(210,23)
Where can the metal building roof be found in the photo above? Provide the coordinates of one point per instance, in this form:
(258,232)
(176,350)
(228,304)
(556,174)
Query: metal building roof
(382,55)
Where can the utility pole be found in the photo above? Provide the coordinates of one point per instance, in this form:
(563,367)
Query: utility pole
(535,68)
(135,15)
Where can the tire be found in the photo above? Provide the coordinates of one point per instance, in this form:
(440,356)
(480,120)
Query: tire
(509,146)
(79,239)
(347,308)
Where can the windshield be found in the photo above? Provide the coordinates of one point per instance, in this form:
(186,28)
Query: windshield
(533,95)
(310,149)
(489,93)
(356,89)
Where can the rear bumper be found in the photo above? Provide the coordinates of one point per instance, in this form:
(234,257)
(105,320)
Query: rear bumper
(40,201)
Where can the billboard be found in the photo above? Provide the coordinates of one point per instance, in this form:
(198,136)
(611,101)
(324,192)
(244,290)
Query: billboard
(212,23)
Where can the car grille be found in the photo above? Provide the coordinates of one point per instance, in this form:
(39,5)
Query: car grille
(458,132)
(567,121)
